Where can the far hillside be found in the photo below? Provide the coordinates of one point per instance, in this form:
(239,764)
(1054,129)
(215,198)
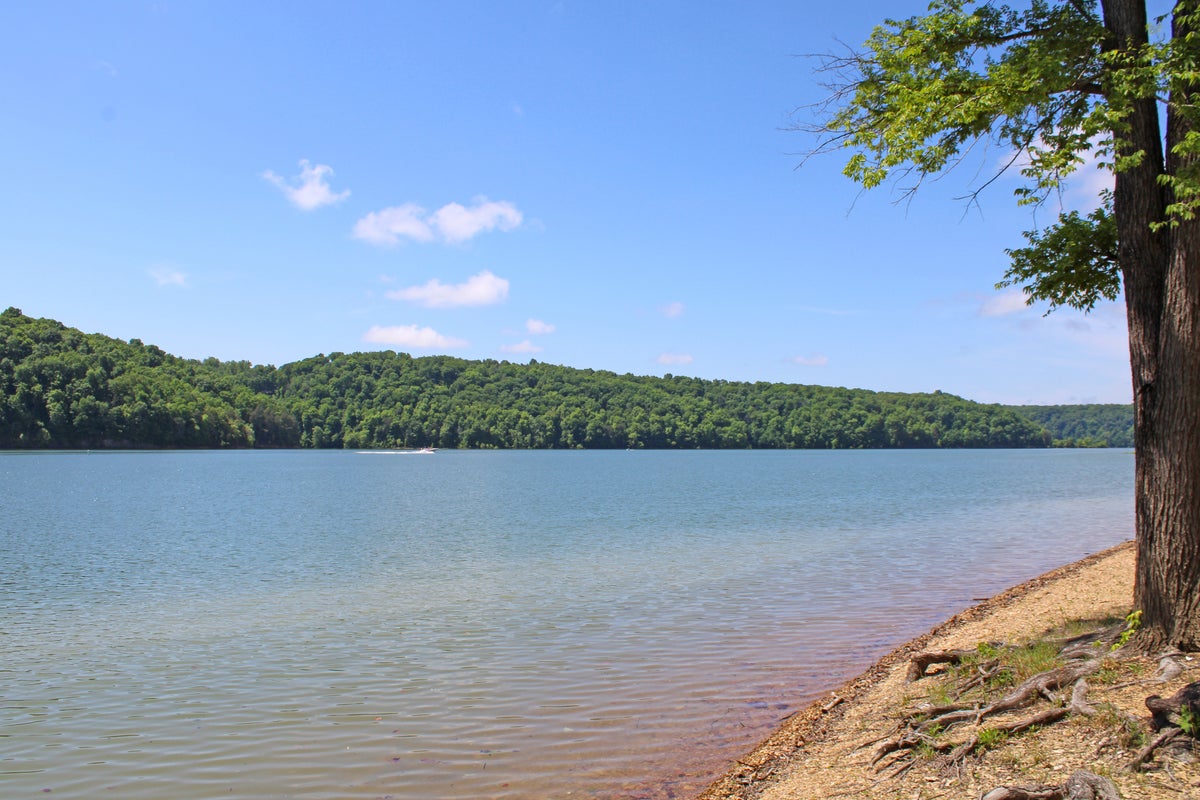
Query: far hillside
(62,388)
(1095,425)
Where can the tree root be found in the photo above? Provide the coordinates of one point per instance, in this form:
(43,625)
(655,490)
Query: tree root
(1042,685)
(919,731)
(1165,736)
(1082,785)
(919,666)
(916,730)
(1167,710)
(1169,667)
(1166,715)
(955,752)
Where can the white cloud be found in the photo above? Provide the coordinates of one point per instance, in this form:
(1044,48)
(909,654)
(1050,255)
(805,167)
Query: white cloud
(168,276)
(672,310)
(1003,304)
(458,223)
(675,358)
(390,225)
(538,328)
(483,289)
(411,336)
(310,189)
(521,347)
(453,223)
(811,361)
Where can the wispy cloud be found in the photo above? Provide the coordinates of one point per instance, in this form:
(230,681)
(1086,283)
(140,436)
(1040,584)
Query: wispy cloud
(453,223)
(538,328)
(521,347)
(483,289)
(412,336)
(672,310)
(457,223)
(168,276)
(1104,331)
(310,189)
(1003,304)
(811,361)
(675,358)
(391,225)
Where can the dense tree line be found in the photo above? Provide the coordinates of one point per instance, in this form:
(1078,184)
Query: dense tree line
(1093,425)
(60,387)
(389,399)
(65,388)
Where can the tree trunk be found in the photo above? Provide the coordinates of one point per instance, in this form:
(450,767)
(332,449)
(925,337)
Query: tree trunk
(1161,273)
(1167,588)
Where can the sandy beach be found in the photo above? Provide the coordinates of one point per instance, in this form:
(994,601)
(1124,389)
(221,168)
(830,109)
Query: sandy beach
(826,750)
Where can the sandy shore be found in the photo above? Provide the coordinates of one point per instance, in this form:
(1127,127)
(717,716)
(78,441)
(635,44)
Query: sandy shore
(824,751)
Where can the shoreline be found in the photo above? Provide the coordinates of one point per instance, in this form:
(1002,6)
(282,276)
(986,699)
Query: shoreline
(804,736)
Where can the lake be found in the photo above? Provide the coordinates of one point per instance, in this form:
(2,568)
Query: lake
(530,624)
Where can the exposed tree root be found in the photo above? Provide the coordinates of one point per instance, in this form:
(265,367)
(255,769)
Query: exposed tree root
(921,730)
(1165,736)
(1082,785)
(917,730)
(1168,670)
(1043,685)
(954,754)
(1169,716)
(968,700)
(1025,793)
(919,666)
(1167,710)
(1169,667)
(1086,644)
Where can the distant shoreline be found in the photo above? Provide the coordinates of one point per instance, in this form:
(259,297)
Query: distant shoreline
(76,390)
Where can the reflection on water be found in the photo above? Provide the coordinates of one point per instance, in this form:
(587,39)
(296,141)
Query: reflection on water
(516,625)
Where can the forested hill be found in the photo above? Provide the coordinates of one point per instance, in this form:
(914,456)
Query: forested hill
(66,389)
(1096,425)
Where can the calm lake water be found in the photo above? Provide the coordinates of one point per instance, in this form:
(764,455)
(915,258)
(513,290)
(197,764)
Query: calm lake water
(473,625)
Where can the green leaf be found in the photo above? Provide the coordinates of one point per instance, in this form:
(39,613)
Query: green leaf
(1071,263)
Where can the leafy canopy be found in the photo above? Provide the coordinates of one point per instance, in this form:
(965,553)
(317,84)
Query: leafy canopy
(1072,263)
(1047,85)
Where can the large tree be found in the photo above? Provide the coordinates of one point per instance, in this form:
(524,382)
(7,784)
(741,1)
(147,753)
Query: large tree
(1056,84)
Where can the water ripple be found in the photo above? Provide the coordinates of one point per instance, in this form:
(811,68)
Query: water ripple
(509,625)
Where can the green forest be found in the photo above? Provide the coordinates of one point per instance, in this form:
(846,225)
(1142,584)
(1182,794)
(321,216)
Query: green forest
(63,388)
(1084,425)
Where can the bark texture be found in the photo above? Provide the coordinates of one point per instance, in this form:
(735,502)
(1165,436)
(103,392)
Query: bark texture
(1171,593)
(1161,274)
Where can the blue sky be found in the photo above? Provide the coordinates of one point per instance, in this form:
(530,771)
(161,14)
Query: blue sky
(602,185)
